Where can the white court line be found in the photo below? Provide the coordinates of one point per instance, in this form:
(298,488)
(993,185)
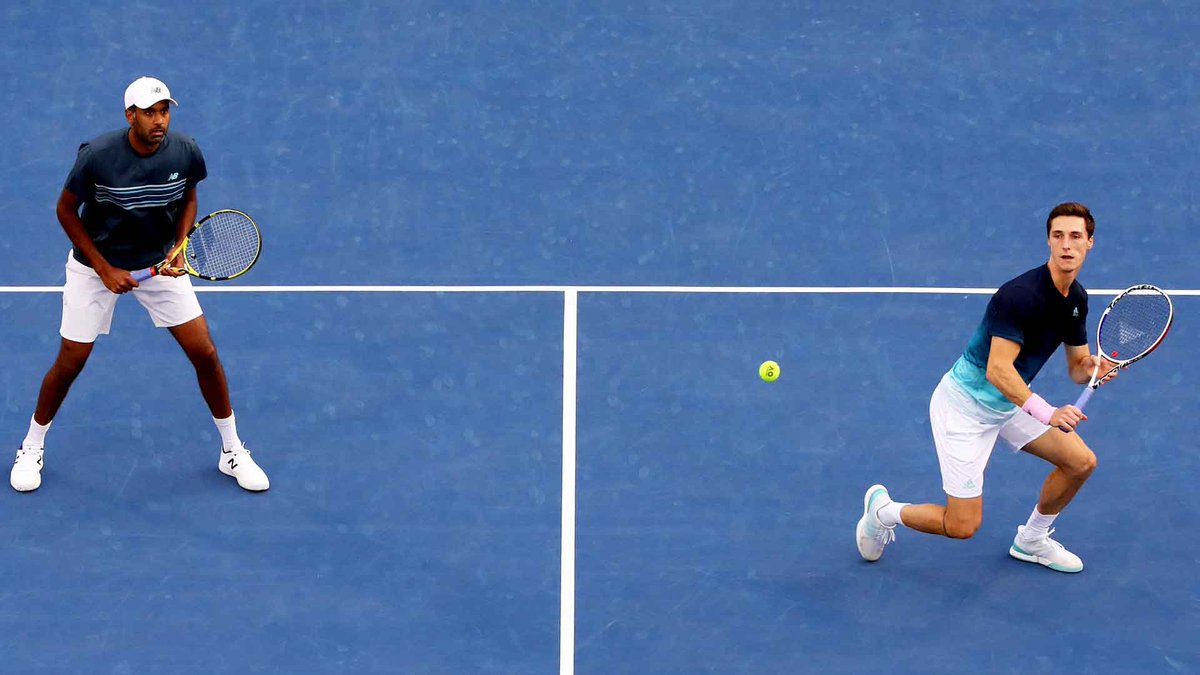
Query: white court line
(566,595)
(748,290)
(570,347)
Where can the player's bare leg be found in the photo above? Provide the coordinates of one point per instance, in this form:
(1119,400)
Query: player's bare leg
(958,519)
(26,474)
(1073,464)
(197,344)
(72,356)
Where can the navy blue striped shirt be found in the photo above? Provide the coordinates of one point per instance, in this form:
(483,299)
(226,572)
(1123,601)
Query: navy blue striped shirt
(130,203)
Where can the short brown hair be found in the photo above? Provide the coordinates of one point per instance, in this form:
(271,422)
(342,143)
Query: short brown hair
(1072,209)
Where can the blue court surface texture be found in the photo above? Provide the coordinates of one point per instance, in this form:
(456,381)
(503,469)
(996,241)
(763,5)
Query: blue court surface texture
(415,433)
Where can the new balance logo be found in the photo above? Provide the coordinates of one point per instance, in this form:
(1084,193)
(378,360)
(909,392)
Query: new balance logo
(175,175)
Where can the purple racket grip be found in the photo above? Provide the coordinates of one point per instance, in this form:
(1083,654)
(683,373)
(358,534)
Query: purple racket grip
(142,275)
(1084,397)
(1079,403)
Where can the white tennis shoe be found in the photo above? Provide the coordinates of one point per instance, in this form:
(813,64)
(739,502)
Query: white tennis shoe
(1044,551)
(872,535)
(239,464)
(26,474)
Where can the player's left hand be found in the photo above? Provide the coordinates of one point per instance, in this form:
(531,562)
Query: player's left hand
(1105,366)
(175,268)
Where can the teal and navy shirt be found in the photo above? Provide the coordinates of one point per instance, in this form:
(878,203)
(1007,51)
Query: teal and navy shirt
(1030,311)
(131,203)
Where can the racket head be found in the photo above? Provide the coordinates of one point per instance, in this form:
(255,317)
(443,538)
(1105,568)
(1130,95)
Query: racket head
(224,245)
(1134,324)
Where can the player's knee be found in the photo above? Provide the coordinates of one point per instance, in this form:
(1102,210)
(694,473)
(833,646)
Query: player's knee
(72,359)
(962,527)
(70,366)
(961,530)
(1081,466)
(204,354)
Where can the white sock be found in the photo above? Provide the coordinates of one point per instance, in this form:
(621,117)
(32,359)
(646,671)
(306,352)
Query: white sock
(229,435)
(1038,525)
(36,438)
(889,514)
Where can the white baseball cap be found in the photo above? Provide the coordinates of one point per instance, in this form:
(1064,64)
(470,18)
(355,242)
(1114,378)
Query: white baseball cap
(144,92)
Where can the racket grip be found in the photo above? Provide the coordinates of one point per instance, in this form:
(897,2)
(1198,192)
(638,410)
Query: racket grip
(142,275)
(1080,402)
(1084,397)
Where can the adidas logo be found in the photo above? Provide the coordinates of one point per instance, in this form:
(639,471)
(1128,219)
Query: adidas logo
(1074,312)
(969,484)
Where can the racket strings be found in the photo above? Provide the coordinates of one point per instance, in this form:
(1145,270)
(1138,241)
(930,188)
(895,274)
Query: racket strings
(1134,325)
(226,245)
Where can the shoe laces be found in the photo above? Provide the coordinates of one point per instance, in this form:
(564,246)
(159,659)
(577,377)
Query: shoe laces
(1050,541)
(1045,539)
(32,454)
(885,535)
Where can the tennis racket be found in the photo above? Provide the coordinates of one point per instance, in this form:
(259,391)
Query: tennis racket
(1133,325)
(224,245)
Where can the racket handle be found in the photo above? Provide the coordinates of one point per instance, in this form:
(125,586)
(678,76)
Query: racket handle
(142,275)
(1084,397)
(1079,403)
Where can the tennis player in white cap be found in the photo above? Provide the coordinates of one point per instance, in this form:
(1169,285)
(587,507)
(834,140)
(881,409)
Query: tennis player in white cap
(129,199)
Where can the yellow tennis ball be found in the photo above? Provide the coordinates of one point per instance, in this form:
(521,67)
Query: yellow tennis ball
(769,371)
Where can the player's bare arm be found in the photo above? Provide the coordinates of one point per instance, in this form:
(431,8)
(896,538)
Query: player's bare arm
(1003,375)
(115,279)
(1079,363)
(187,216)
(1002,372)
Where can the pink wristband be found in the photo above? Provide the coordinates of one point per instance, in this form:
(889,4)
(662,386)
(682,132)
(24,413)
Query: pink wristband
(1037,408)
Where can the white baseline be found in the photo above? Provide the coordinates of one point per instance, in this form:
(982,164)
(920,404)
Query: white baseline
(748,290)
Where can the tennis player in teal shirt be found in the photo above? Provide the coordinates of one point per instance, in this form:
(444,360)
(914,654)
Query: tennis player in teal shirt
(986,396)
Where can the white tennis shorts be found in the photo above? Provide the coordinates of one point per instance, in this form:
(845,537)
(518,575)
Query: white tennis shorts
(88,305)
(965,431)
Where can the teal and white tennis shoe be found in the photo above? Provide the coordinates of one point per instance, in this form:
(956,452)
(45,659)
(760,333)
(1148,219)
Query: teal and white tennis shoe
(872,535)
(1044,551)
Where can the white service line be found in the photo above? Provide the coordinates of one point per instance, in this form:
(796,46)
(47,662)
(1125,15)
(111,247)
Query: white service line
(746,290)
(570,361)
(566,594)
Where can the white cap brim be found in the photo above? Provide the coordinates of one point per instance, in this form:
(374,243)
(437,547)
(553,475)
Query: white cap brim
(149,102)
(144,92)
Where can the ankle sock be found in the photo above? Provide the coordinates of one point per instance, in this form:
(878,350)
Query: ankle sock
(229,435)
(1038,525)
(36,438)
(889,514)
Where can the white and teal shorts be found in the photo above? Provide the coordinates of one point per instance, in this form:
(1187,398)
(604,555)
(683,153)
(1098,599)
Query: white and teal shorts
(964,433)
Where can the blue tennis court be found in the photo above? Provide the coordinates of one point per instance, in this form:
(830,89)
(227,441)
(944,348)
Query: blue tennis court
(480,216)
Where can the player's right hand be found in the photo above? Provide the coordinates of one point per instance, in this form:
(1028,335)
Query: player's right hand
(1067,417)
(117,280)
